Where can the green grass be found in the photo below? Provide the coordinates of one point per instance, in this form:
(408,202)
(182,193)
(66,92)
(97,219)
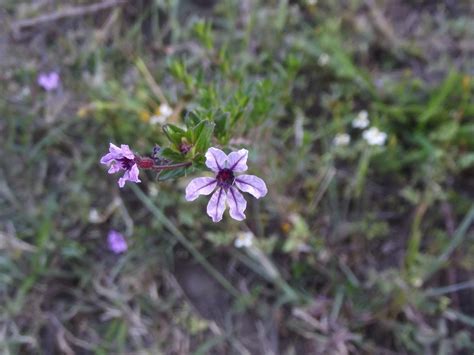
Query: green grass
(363,249)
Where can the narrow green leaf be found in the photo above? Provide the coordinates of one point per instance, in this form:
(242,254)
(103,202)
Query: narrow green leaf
(437,100)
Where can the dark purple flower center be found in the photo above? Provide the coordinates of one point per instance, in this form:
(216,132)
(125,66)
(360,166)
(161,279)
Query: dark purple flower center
(126,163)
(225,178)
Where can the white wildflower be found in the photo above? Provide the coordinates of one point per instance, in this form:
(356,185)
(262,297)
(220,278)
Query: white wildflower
(94,216)
(165,110)
(162,114)
(417,282)
(157,119)
(374,136)
(362,120)
(323,59)
(341,139)
(311,2)
(244,240)
(153,190)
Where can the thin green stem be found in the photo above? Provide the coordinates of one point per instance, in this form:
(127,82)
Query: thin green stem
(171,166)
(184,241)
(362,170)
(457,239)
(415,238)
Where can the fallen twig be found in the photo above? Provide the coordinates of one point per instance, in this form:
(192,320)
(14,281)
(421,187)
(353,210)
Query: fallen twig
(64,13)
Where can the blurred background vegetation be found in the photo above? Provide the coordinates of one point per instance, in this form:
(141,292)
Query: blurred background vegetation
(357,249)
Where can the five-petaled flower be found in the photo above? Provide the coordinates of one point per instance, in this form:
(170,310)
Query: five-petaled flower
(121,159)
(226,184)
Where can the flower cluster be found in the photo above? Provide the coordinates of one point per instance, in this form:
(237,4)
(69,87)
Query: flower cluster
(372,135)
(225,185)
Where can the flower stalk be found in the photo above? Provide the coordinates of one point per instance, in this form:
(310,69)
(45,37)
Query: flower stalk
(149,163)
(123,159)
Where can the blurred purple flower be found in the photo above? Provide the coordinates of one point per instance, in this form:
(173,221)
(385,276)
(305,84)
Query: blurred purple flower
(227,184)
(49,81)
(121,159)
(116,242)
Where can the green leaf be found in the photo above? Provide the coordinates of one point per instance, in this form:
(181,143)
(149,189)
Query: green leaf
(172,155)
(202,134)
(466,161)
(171,174)
(203,30)
(222,121)
(193,118)
(437,100)
(174,134)
(446,132)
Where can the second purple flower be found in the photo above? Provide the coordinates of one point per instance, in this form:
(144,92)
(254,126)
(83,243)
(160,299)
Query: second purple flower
(122,159)
(49,81)
(226,184)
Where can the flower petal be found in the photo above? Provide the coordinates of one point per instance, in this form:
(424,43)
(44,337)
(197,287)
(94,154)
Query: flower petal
(114,149)
(126,152)
(130,175)
(200,186)
(251,184)
(237,204)
(107,158)
(216,205)
(238,160)
(122,180)
(133,174)
(114,167)
(215,159)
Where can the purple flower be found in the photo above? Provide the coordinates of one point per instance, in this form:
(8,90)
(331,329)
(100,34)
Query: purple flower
(116,242)
(121,159)
(49,81)
(226,184)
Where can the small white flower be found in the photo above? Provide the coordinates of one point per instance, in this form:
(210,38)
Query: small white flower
(362,120)
(417,282)
(311,2)
(153,190)
(162,114)
(165,110)
(341,139)
(94,216)
(244,240)
(323,59)
(374,136)
(157,119)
